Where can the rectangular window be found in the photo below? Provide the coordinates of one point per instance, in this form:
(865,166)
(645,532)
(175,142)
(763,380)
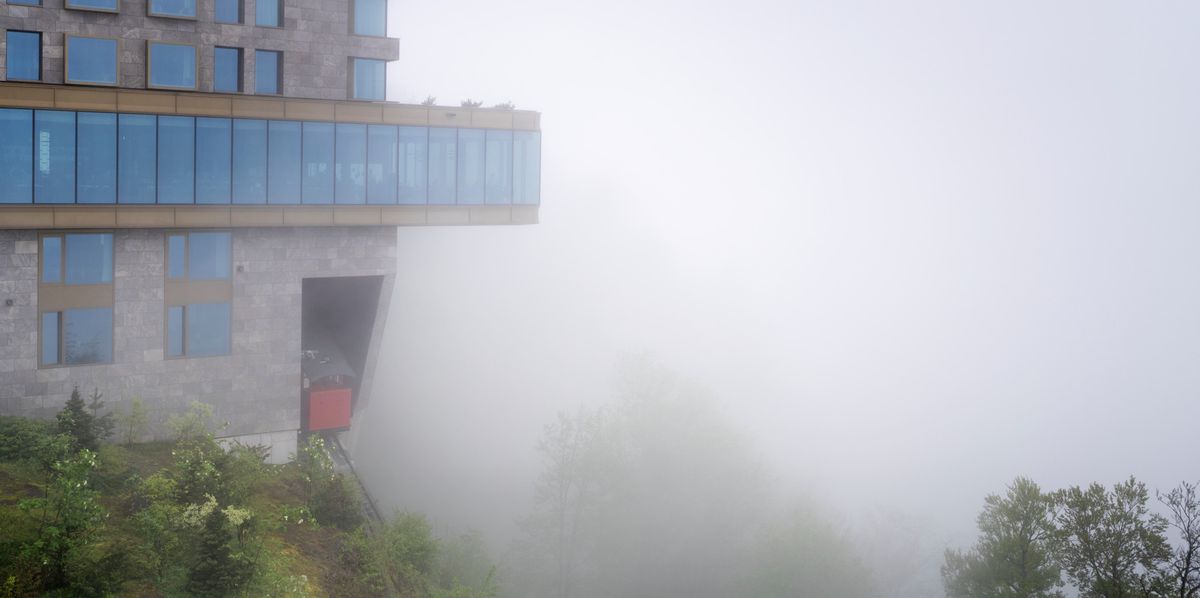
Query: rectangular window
(88,258)
(175,331)
(268,75)
(208,255)
(100,5)
(351,170)
(26,2)
(228,11)
(369,80)
(87,335)
(176,159)
(54,159)
(177,256)
(443,160)
(249,161)
(75,295)
(50,336)
(96,160)
(499,170)
(182,9)
(213,160)
(171,66)
(52,259)
(381,164)
(208,326)
(318,163)
(527,165)
(24,58)
(370,17)
(470,166)
(283,162)
(199,293)
(16,155)
(91,60)
(268,13)
(227,70)
(136,158)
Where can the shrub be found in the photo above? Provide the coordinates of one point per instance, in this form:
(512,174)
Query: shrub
(132,421)
(407,549)
(68,516)
(75,421)
(20,438)
(339,504)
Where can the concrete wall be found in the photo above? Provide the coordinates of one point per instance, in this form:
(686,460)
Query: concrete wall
(255,390)
(314,39)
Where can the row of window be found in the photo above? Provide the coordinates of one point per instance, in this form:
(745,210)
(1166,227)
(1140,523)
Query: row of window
(369,16)
(56,157)
(75,295)
(93,61)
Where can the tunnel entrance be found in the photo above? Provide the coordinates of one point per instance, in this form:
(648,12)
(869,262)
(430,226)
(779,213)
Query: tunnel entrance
(337,319)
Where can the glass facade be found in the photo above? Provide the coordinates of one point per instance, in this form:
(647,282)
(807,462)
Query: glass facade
(173,8)
(370,79)
(370,17)
(227,69)
(55,156)
(228,11)
(266,71)
(23,61)
(172,65)
(203,327)
(267,13)
(91,60)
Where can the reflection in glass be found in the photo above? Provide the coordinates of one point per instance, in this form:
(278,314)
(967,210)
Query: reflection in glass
(318,163)
(50,338)
(208,329)
(351,170)
(89,258)
(499,175)
(413,164)
(137,158)
(87,335)
(370,79)
(283,163)
(213,155)
(381,164)
(174,331)
(208,256)
(470,166)
(16,155)
(91,60)
(24,58)
(176,159)
(443,161)
(249,161)
(51,259)
(173,8)
(96,162)
(172,65)
(54,157)
(527,164)
(176,256)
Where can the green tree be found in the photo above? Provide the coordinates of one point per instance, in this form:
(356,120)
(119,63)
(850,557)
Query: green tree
(1109,543)
(216,570)
(1183,570)
(67,517)
(75,421)
(805,555)
(1013,557)
(132,421)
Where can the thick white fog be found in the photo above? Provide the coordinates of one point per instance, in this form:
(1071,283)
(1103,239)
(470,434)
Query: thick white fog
(914,249)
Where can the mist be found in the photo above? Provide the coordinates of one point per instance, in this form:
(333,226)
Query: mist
(910,251)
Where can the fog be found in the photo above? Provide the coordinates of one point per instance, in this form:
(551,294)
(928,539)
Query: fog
(911,250)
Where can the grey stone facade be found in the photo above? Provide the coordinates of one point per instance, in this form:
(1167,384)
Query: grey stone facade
(256,389)
(315,40)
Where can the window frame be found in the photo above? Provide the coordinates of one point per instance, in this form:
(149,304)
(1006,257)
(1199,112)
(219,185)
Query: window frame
(278,72)
(279,18)
(195,66)
(354,19)
(150,13)
(7,53)
(353,79)
(67,59)
(59,297)
(184,292)
(117,10)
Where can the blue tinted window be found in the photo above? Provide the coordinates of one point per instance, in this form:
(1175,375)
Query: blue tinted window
(137,158)
(369,79)
(381,164)
(249,161)
(91,60)
(527,164)
(499,167)
(213,160)
(16,155)
(208,329)
(87,335)
(50,338)
(93,4)
(413,164)
(318,163)
(443,160)
(370,17)
(208,256)
(96,162)
(176,159)
(173,8)
(229,11)
(266,72)
(24,59)
(227,69)
(266,13)
(176,256)
(26,2)
(89,258)
(174,331)
(351,163)
(470,165)
(172,65)
(54,157)
(51,259)
(283,165)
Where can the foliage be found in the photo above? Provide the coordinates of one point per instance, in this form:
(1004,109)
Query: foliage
(331,497)
(464,569)
(469,103)
(75,421)
(1013,556)
(194,423)
(102,425)
(217,570)
(429,101)
(1108,542)
(805,555)
(21,438)
(67,517)
(1183,568)
(406,548)
(132,421)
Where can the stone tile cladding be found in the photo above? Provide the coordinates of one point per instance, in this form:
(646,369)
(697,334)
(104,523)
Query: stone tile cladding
(314,39)
(256,389)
